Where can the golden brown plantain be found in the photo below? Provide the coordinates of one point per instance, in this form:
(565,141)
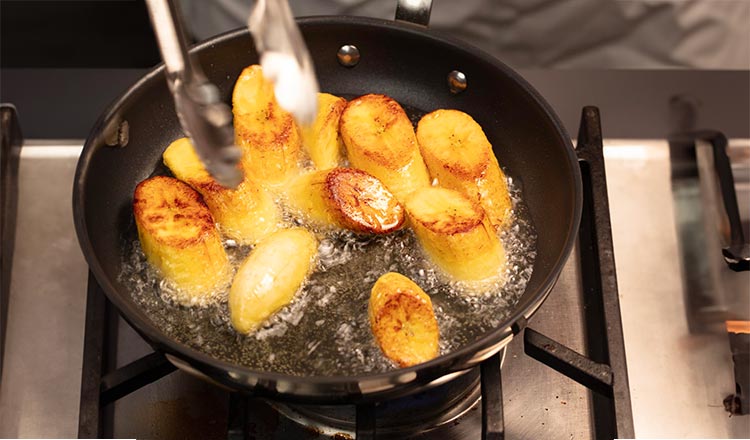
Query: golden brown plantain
(402,320)
(379,139)
(347,198)
(460,157)
(245,214)
(178,236)
(456,234)
(270,276)
(268,135)
(322,140)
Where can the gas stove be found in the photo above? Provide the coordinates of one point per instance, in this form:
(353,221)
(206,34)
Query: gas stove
(565,376)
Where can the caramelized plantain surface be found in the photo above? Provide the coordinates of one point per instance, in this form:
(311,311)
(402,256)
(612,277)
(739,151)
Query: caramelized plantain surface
(347,198)
(456,234)
(267,134)
(402,320)
(245,214)
(322,140)
(380,139)
(178,236)
(460,157)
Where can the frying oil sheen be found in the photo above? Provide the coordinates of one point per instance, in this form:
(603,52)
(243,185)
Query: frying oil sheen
(325,330)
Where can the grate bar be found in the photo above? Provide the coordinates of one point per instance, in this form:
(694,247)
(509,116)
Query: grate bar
(493,425)
(89,416)
(133,376)
(576,366)
(366,421)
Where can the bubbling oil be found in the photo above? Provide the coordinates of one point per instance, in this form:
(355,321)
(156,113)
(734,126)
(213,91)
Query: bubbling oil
(325,330)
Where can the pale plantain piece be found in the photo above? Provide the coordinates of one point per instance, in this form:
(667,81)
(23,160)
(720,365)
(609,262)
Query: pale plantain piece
(402,320)
(245,214)
(460,157)
(322,140)
(379,139)
(178,236)
(347,198)
(270,276)
(456,234)
(269,137)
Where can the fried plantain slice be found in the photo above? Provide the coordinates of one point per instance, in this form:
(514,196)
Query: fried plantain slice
(322,140)
(347,198)
(456,234)
(379,139)
(245,214)
(269,137)
(270,276)
(402,320)
(460,157)
(179,238)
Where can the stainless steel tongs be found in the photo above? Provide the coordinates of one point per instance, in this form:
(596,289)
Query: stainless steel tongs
(202,114)
(285,58)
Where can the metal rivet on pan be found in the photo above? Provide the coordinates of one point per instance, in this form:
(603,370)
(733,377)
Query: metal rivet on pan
(118,134)
(348,55)
(457,81)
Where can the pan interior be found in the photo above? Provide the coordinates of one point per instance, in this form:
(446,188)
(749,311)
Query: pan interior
(325,331)
(405,65)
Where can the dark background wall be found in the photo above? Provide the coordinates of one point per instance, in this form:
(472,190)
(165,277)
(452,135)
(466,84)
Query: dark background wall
(88,34)
(63,62)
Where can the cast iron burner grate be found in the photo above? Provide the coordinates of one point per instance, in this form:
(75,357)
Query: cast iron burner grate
(603,371)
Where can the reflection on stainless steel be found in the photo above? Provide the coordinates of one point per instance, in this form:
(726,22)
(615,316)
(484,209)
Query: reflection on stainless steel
(41,375)
(734,286)
(677,379)
(713,292)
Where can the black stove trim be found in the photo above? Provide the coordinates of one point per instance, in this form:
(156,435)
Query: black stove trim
(11,141)
(603,370)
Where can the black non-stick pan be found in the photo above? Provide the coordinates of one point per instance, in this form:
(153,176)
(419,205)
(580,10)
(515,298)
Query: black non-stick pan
(404,61)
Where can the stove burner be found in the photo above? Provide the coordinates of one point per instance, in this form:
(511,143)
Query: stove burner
(414,414)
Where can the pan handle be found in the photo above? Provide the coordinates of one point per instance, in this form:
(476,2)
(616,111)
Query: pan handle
(414,11)
(737,254)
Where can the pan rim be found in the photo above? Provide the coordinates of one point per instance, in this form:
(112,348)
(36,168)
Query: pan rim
(456,360)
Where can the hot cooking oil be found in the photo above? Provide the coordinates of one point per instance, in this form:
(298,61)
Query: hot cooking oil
(325,330)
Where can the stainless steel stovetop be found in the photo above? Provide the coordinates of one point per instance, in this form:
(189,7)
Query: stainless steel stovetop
(677,379)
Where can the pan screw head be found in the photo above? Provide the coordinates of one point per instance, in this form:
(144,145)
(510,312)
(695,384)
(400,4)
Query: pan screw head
(457,81)
(348,55)
(117,134)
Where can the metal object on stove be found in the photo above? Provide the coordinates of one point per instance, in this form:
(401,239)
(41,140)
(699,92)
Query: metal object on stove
(402,417)
(11,140)
(710,229)
(204,117)
(737,252)
(414,11)
(738,403)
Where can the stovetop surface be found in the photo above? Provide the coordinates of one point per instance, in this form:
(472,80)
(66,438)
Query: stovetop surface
(677,380)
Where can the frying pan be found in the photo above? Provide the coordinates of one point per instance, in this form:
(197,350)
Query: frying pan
(401,60)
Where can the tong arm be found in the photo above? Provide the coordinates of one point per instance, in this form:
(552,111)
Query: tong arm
(202,114)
